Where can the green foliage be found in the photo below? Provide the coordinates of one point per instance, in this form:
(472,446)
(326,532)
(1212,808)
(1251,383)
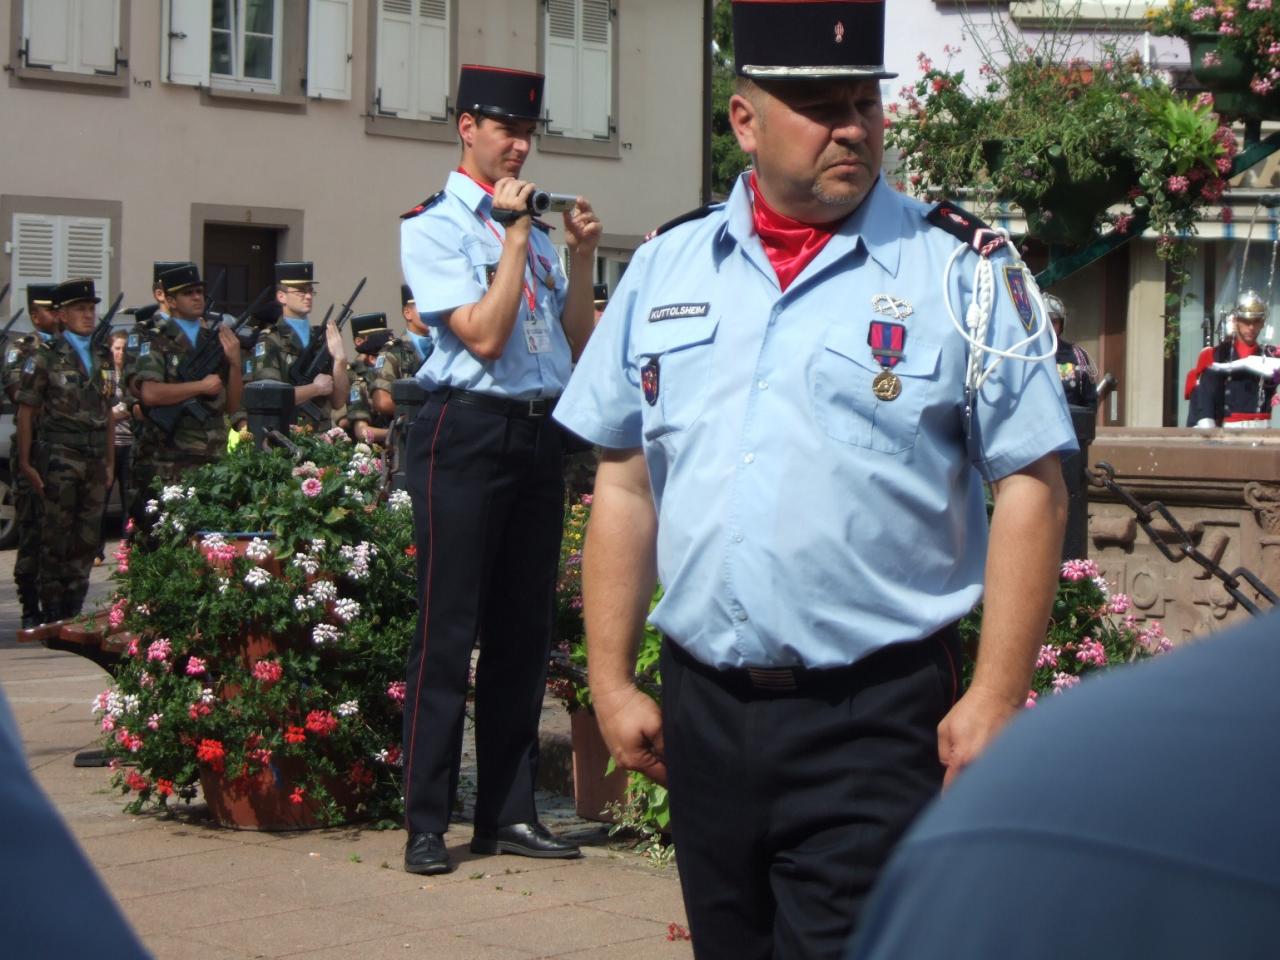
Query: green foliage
(283,651)
(1246,30)
(727,158)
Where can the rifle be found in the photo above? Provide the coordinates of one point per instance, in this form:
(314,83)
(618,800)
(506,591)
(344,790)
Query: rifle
(316,359)
(102,332)
(211,294)
(3,291)
(205,359)
(4,334)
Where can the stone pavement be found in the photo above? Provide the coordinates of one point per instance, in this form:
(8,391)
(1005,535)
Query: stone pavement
(191,888)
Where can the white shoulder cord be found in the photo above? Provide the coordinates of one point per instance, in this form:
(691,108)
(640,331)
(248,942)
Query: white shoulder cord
(981,309)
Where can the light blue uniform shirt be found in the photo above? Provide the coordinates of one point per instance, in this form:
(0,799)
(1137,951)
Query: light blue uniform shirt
(447,254)
(802,521)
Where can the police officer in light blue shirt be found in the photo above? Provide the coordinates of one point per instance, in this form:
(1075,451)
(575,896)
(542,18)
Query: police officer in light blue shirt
(798,432)
(485,471)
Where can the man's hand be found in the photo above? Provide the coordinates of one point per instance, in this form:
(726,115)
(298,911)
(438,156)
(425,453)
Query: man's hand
(631,724)
(211,385)
(512,194)
(323,384)
(968,727)
(582,228)
(333,340)
(230,345)
(34,478)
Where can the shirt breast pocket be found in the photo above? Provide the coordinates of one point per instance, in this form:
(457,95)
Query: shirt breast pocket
(845,403)
(674,358)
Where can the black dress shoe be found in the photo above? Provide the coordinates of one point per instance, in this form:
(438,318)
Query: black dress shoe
(425,853)
(524,840)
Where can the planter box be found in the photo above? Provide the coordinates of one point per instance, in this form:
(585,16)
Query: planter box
(261,801)
(591,788)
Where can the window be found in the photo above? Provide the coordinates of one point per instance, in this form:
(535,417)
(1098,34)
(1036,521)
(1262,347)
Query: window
(71,40)
(271,47)
(48,248)
(413,62)
(578,51)
(245,47)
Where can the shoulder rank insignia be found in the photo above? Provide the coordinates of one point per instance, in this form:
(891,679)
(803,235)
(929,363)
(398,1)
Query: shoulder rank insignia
(691,215)
(424,205)
(963,225)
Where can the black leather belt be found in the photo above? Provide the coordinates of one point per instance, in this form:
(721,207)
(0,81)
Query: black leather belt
(526,409)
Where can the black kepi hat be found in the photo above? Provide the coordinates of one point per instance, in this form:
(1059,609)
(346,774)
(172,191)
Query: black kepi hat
(363,324)
(499,92)
(161,267)
(809,39)
(74,291)
(406,296)
(40,295)
(295,273)
(182,277)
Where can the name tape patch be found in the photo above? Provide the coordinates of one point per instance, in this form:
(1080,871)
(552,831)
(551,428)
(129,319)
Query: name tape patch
(672,311)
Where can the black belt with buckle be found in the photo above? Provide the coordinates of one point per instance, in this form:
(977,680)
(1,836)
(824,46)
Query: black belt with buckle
(526,409)
(755,681)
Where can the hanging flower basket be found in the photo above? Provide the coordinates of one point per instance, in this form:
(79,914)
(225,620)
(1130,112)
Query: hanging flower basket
(1228,74)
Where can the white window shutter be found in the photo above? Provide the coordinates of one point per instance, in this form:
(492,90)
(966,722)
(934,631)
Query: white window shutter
(185,41)
(329,49)
(596,73)
(48,33)
(87,242)
(395,58)
(431,60)
(99,36)
(35,254)
(561,92)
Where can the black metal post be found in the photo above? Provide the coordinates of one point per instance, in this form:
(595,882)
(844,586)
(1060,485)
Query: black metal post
(269,404)
(408,397)
(1075,545)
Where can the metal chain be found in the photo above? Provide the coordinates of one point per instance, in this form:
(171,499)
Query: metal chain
(1183,547)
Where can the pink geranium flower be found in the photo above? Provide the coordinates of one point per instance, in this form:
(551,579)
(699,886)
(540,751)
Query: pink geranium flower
(311,487)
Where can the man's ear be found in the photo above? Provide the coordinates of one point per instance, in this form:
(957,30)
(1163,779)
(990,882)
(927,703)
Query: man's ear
(466,129)
(745,119)
(280,297)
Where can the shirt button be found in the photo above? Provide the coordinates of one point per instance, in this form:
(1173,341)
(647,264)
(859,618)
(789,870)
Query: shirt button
(737,538)
(763,384)
(740,615)
(749,458)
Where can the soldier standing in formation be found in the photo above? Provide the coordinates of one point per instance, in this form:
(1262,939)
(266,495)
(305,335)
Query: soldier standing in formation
(283,342)
(370,335)
(1233,383)
(401,357)
(64,447)
(28,504)
(196,439)
(1075,367)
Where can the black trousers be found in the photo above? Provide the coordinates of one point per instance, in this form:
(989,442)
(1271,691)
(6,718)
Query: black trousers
(488,511)
(786,804)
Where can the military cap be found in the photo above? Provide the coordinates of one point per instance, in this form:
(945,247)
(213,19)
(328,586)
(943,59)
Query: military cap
(499,92)
(809,39)
(1250,306)
(182,277)
(406,295)
(295,273)
(600,293)
(1053,306)
(74,291)
(161,267)
(363,324)
(40,295)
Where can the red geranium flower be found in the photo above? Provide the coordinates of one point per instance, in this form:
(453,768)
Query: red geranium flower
(295,735)
(213,753)
(321,722)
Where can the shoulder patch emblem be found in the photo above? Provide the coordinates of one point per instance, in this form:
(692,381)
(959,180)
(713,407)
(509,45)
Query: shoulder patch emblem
(11,356)
(1015,281)
(145,349)
(423,206)
(260,349)
(248,367)
(132,342)
(380,363)
(354,396)
(30,365)
(964,226)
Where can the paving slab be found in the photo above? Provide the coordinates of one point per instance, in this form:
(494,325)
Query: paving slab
(191,888)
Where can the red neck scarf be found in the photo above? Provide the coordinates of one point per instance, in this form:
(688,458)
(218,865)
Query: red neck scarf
(1245,349)
(485,187)
(789,244)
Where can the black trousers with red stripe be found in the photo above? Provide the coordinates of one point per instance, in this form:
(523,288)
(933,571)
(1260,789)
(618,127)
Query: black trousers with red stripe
(488,510)
(786,804)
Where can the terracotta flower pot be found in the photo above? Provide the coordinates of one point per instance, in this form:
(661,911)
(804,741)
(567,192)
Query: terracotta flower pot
(592,789)
(261,800)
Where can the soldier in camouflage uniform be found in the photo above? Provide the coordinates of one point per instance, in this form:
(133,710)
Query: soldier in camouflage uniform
(283,342)
(64,447)
(28,505)
(370,335)
(162,458)
(401,357)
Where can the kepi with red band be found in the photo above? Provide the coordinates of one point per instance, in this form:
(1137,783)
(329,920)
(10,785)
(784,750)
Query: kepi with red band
(500,92)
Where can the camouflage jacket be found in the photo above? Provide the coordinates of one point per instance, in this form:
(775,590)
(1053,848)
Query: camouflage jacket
(277,349)
(359,407)
(157,360)
(397,360)
(15,355)
(74,403)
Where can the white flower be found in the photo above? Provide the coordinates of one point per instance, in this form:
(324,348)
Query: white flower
(317,546)
(178,525)
(398,500)
(1101,583)
(325,633)
(258,549)
(257,577)
(213,540)
(306,564)
(171,493)
(131,703)
(348,709)
(191,491)
(153,507)
(303,602)
(323,590)
(206,695)
(223,583)
(346,609)
(355,495)
(357,559)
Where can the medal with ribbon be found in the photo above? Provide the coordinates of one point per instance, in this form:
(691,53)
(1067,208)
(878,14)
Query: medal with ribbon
(887,340)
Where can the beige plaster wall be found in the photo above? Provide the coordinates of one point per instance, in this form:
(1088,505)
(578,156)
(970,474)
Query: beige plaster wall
(1143,383)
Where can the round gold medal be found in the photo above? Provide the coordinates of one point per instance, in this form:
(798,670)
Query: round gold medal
(886,385)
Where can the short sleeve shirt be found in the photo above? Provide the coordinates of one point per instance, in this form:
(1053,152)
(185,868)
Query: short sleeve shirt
(802,519)
(449,253)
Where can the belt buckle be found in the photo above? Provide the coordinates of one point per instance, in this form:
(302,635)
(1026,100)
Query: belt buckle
(537,407)
(772,678)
